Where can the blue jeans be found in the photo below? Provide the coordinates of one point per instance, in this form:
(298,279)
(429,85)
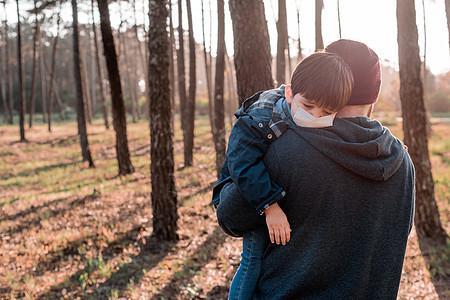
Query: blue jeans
(246,277)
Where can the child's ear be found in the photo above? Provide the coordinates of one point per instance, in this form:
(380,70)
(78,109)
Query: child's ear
(288,93)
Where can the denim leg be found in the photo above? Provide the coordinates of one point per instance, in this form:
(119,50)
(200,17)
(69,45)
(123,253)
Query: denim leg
(245,280)
(234,214)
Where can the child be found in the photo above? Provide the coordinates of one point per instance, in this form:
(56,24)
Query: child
(321,84)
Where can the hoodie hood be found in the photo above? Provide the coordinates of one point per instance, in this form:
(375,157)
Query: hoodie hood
(361,145)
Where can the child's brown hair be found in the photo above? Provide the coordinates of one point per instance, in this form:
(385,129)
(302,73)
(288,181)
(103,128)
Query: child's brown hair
(324,79)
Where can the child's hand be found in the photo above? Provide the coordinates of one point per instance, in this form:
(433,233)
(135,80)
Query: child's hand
(279,229)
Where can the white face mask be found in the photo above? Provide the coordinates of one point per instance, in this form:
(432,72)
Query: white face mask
(303,118)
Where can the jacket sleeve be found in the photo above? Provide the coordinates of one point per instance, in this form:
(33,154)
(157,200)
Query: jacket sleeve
(246,149)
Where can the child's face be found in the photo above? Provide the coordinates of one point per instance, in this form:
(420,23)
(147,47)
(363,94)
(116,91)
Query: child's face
(312,108)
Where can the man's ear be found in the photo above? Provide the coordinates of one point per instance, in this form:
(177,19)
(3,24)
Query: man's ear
(288,93)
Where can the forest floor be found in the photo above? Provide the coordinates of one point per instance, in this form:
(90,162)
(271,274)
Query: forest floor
(71,232)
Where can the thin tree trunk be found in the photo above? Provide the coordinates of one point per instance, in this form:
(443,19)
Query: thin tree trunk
(172,59)
(425,72)
(87,91)
(164,195)
(300,55)
(207,72)
(282,42)
(134,82)
(8,117)
(47,72)
(129,79)
(78,65)
(289,70)
(118,107)
(339,19)
(53,75)
(22,99)
(231,98)
(233,102)
(33,75)
(219,136)
(181,69)
(8,69)
(414,114)
(125,63)
(319,39)
(147,84)
(99,71)
(190,104)
(43,89)
(232,84)
(93,81)
(447,13)
(135,63)
(252,56)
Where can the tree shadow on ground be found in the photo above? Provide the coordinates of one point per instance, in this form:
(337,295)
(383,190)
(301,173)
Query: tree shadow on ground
(201,191)
(437,258)
(35,222)
(204,253)
(36,171)
(32,209)
(153,251)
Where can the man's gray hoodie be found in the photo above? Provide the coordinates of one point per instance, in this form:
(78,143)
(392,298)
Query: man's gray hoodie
(350,205)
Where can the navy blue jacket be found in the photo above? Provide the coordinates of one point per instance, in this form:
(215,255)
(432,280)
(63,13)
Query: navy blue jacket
(350,205)
(259,123)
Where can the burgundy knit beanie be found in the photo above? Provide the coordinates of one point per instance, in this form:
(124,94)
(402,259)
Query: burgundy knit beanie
(365,67)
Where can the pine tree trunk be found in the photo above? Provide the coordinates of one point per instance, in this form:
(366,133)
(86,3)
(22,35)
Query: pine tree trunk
(85,149)
(447,13)
(47,75)
(172,59)
(414,114)
(146,56)
(118,106)
(86,90)
(43,89)
(134,85)
(207,74)
(190,104)
(233,99)
(33,74)
(58,101)
(8,69)
(22,99)
(252,56)
(53,76)
(93,81)
(164,195)
(300,55)
(319,39)
(99,71)
(135,64)
(219,137)
(4,101)
(126,63)
(282,42)
(339,19)
(181,68)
